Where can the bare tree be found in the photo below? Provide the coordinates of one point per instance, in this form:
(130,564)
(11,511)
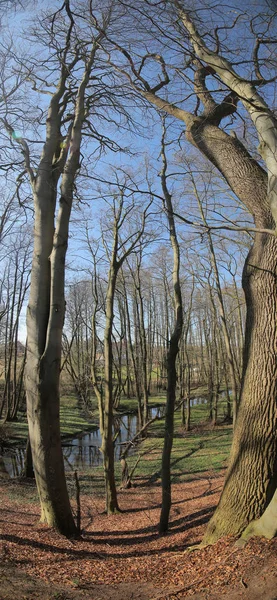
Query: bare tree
(173,347)
(125,240)
(67,80)
(77,346)
(227,341)
(15,284)
(247,491)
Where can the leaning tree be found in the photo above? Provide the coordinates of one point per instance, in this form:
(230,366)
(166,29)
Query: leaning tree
(193,60)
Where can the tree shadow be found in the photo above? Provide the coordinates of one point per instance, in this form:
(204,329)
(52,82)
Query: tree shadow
(134,538)
(155,476)
(205,494)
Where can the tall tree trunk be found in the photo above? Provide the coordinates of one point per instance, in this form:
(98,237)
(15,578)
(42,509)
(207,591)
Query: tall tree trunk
(172,352)
(107,446)
(46,308)
(252,477)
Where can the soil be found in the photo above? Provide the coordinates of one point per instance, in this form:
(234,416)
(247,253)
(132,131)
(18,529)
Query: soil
(122,557)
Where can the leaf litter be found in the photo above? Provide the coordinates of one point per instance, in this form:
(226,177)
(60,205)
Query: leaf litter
(122,556)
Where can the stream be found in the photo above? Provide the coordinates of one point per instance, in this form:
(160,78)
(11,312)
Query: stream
(84,450)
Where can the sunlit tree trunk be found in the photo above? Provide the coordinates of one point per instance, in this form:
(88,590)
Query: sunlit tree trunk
(46,308)
(252,475)
(251,478)
(117,252)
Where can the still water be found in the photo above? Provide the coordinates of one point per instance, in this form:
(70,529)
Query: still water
(82,451)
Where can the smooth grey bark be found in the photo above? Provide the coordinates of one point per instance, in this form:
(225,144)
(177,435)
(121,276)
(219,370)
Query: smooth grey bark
(46,308)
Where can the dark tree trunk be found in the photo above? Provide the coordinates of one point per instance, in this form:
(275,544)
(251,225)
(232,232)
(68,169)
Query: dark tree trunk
(171,354)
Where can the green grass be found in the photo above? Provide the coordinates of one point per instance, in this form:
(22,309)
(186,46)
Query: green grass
(72,419)
(203,448)
(131,404)
(192,453)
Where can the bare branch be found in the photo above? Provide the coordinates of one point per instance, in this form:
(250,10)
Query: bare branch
(25,148)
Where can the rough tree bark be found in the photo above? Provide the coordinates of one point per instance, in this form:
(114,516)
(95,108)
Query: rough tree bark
(251,477)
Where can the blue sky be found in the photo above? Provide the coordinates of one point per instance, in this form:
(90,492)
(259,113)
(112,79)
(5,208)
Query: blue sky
(144,145)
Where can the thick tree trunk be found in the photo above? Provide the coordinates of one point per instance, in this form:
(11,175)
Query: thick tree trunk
(44,431)
(43,371)
(251,477)
(46,309)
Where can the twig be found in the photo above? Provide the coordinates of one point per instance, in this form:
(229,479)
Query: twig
(78,502)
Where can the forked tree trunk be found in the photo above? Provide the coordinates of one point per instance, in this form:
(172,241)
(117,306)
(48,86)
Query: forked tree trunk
(46,308)
(116,256)
(42,390)
(251,477)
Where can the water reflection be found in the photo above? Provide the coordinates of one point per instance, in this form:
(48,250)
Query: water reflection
(84,450)
(11,462)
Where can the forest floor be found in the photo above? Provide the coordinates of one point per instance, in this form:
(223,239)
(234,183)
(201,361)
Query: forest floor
(123,557)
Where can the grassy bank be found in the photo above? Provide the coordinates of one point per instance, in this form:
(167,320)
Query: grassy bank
(203,448)
(73,421)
